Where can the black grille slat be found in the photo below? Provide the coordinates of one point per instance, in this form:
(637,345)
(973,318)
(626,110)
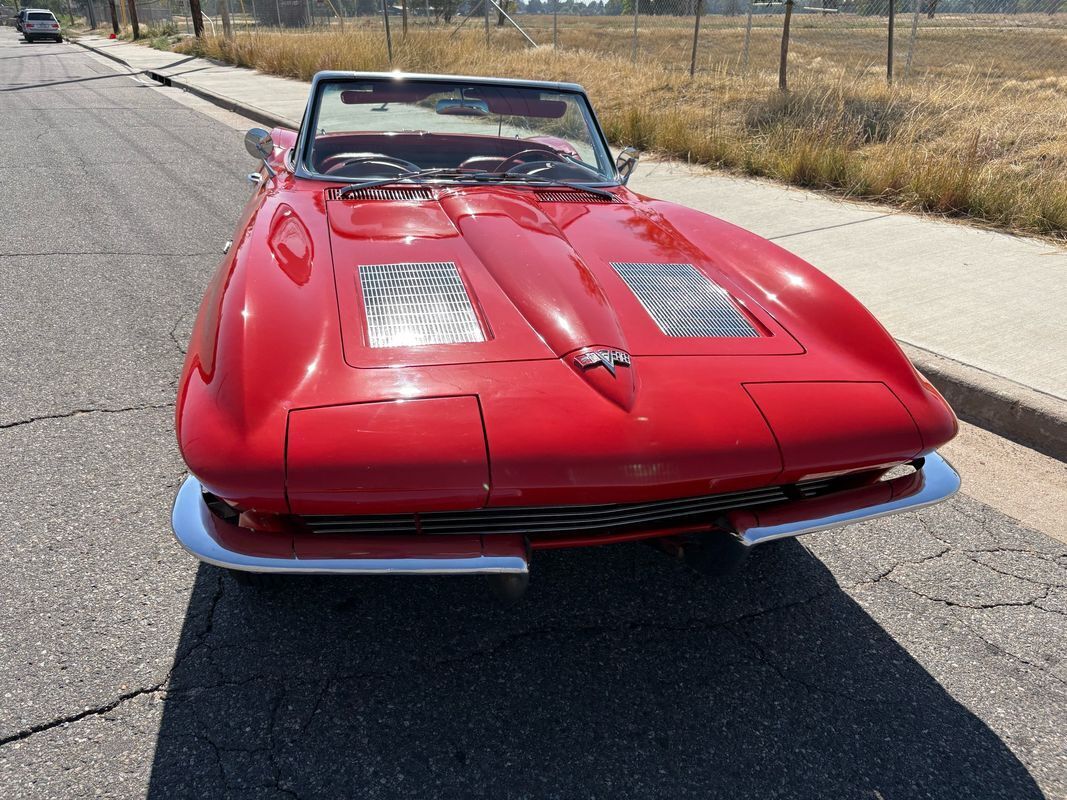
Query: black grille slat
(617,512)
(561,519)
(383,193)
(571,196)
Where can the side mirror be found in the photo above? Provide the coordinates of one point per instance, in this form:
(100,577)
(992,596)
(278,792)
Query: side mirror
(259,144)
(626,163)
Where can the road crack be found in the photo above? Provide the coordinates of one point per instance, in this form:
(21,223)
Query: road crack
(77,412)
(100,710)
(49,253)
(95,711)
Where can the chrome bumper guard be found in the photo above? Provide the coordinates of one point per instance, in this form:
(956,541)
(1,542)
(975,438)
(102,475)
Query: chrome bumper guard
(220,543)
(216,542)
(933,480)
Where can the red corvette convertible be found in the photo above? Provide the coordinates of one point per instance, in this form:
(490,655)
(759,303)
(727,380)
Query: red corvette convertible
(447,335)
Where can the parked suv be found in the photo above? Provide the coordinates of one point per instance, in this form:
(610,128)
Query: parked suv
(38,23)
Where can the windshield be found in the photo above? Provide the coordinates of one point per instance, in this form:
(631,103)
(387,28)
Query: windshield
(375,129)
(41,15)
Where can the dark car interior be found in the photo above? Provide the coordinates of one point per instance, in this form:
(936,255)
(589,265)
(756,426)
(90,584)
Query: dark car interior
(358,155)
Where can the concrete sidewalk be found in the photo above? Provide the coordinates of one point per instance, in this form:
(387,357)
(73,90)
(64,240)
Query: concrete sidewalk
(980,312)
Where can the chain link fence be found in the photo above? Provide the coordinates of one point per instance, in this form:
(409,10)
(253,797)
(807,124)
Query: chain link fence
(1022,39)
(764,39)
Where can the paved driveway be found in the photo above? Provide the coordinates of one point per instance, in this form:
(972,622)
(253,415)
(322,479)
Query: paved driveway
(920,656)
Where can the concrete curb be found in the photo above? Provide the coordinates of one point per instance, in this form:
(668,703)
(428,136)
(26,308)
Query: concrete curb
(253,113)
(227,103)
(999,405)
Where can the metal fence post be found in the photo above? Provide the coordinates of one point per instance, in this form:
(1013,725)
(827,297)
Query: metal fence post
(889,44)
(633,50)
(485,4)
(911,39)
(748,38)
(555,24)
(696,35)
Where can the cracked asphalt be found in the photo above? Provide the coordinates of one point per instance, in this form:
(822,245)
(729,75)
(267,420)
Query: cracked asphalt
(920,656)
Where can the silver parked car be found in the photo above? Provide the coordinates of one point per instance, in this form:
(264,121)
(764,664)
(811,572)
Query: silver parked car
(39,23)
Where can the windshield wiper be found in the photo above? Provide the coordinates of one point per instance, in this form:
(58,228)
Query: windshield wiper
(520,177)
(470,174)
(405,176)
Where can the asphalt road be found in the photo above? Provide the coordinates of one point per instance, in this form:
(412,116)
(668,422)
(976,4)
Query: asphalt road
(921,656)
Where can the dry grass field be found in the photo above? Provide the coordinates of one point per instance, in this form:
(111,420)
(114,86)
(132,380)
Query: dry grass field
(979,130)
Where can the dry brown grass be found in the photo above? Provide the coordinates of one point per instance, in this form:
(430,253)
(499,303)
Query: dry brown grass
(957,141)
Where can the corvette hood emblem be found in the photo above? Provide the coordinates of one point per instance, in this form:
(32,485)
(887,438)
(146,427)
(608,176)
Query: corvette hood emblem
(607,358)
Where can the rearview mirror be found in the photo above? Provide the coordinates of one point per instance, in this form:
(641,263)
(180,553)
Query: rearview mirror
(259,144)
(626,163)
(463,108)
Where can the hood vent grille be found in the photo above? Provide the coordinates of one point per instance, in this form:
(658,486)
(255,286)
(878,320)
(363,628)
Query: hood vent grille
(571,196)
(383,193)
(417,304)
(684,302)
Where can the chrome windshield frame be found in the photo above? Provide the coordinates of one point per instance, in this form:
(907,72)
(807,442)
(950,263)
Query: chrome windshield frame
(305,137)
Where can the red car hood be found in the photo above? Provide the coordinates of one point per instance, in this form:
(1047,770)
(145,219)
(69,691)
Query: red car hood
(276,411)
(539,276)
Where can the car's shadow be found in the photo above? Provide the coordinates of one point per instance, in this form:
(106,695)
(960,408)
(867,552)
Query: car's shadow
(623,673)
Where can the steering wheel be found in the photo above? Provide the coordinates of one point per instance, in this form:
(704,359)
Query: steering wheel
(377,159)
(517,159)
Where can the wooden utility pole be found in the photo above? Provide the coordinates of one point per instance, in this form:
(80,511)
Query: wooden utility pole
(198,18)
(889,46)
(783,83)
(485,4)
(404,17)
(696,35)
(224,11)
(114,17)
(132,5)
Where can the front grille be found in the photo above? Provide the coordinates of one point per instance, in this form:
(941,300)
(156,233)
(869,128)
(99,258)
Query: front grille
(571,196)
(684,302)
(417,304)
(564,519)
(383,193)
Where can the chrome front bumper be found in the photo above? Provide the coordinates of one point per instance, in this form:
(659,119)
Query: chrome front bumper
(216,542)
(220,543)
(933,480)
